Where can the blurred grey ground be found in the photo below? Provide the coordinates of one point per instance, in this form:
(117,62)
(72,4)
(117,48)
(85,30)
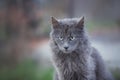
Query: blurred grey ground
(109,51)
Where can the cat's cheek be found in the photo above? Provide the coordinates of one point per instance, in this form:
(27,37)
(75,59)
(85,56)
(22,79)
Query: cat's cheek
(60,47)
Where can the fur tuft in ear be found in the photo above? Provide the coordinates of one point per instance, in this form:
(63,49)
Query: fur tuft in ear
(81,23)
(54,22)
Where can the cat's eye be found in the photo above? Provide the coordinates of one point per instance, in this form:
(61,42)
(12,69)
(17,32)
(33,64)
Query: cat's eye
(72,38)
(60,38)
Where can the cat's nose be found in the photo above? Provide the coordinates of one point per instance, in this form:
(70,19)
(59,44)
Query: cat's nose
(65,48)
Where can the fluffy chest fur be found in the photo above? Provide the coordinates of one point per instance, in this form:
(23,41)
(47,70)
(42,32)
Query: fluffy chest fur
(73,56)
(74,67)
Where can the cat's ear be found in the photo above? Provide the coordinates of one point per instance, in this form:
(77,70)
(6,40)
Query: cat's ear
(80,23)
(55,23)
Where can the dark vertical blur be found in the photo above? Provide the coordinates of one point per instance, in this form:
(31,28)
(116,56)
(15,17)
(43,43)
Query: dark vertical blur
(19,20)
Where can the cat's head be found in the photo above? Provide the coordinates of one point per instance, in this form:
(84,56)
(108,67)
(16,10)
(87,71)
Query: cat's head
(67,33)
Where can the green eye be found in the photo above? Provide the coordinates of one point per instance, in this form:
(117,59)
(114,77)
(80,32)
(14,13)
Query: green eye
(72,38)
(60,38)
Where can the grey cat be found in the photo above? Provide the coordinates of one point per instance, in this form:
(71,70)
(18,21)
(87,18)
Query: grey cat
(73,56)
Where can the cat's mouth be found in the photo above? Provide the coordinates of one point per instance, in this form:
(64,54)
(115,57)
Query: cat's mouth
(67,51)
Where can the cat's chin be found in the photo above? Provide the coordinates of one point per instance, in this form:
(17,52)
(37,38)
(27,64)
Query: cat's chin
(67,52)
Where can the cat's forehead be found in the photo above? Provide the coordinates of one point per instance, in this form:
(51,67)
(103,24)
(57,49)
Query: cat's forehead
(69,22)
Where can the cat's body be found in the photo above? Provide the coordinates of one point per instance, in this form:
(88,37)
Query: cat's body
(73,56)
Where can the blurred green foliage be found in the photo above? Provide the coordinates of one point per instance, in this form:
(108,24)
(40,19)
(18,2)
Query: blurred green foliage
(2,32)
(93,25)
(116,73)
(26,70)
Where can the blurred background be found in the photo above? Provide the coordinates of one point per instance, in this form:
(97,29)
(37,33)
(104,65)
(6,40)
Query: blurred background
(24,34)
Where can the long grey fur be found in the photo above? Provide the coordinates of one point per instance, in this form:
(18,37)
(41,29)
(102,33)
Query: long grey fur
(84,63)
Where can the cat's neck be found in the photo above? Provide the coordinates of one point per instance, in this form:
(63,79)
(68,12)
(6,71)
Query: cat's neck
(71,57)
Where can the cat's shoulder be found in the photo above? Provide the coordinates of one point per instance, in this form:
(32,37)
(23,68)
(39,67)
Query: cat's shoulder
(96,55)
